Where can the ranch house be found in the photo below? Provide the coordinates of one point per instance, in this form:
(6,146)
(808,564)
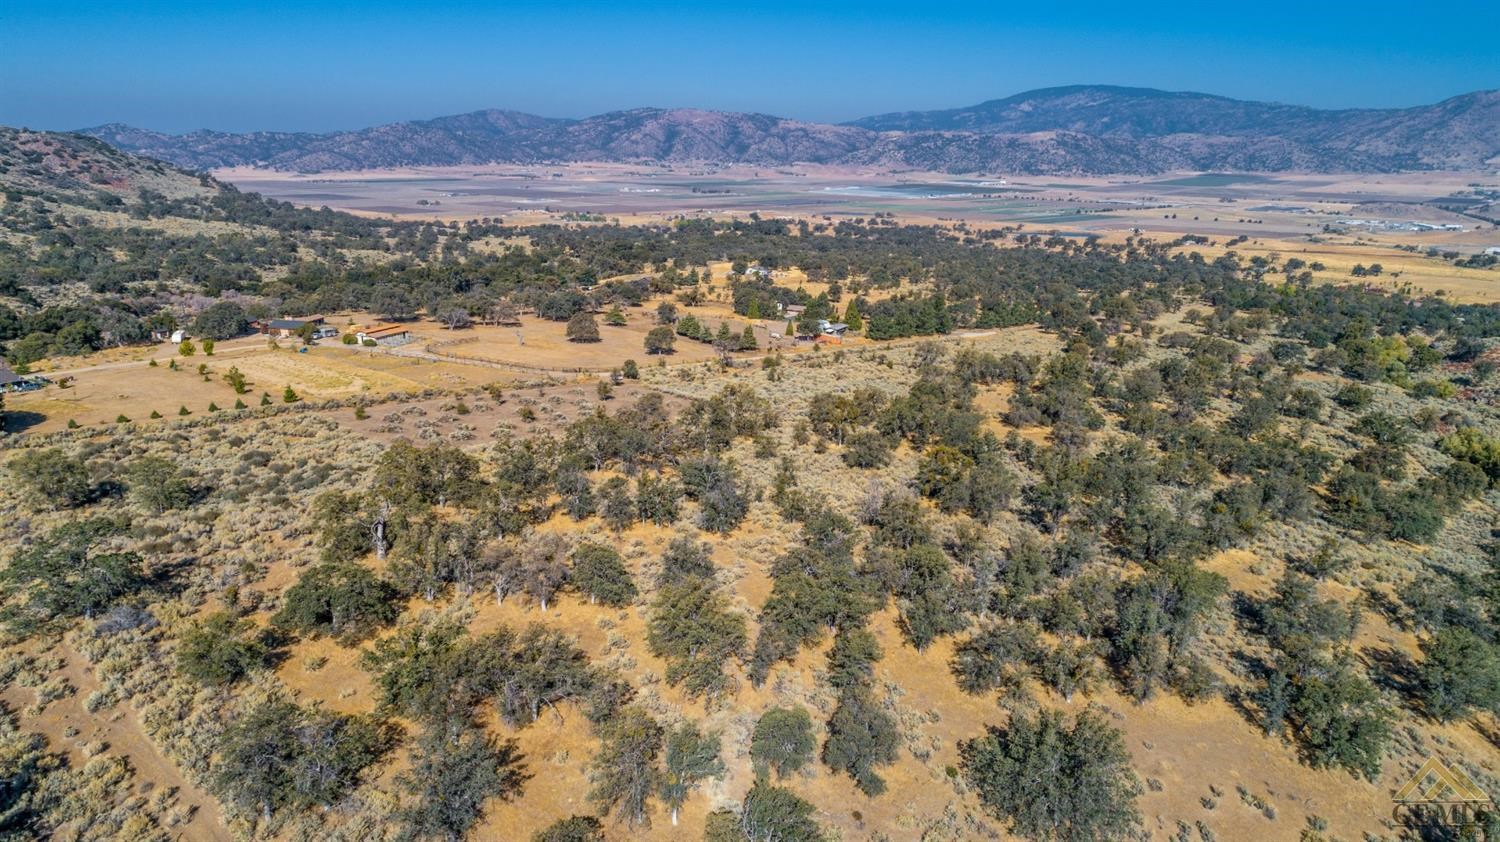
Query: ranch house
(285,327)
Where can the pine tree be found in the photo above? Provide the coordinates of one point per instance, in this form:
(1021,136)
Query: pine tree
(852,317)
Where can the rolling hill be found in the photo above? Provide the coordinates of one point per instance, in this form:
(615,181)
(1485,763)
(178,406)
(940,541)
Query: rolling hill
(1069,130)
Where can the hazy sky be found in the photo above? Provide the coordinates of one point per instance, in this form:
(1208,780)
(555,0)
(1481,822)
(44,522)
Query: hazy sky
(318,66)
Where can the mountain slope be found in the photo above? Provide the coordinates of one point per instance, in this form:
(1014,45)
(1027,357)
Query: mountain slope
(71,166)
(1091,109)
(1208,131)
(1070,130)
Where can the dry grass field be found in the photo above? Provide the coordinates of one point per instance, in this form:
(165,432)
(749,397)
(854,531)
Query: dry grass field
(137,389)
(1403,271)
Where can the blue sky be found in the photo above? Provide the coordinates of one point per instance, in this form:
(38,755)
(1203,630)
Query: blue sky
(320,66)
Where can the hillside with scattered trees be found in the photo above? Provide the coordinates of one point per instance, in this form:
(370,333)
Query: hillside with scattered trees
(1080,541)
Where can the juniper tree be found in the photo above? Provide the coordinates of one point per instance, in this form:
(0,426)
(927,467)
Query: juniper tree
(659,340)
(691,757)
(931,603)
(625,773)
(54,478)
(1053,781)
(342,600)
(279,755)
(995,658)
(617,507)
(582,327)
(861,736)
(685,560)
(541,567)
(599,572)
(452,776)
(571,829)
(775,814)
(527,673)
(158,484)
(219,649)
(1338,718)
(425,671)
(693,628)
(1459,671)
(431,553)
(576,491)
(851,659)
(70,572)
(656,499)
(866,449)
(782,741)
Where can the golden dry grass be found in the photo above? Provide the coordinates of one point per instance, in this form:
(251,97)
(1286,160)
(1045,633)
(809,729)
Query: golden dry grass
(1416,274)
(137,389)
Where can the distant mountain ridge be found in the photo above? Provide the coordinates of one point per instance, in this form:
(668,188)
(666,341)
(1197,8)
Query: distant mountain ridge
(1081,129)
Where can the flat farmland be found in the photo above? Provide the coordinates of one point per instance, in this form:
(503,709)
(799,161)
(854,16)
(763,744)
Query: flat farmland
(1282,205)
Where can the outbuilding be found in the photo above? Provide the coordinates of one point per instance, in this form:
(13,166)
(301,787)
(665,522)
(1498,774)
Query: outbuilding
(384,334)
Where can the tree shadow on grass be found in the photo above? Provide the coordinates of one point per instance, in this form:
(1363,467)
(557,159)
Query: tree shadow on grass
(1396,671)
(19,421)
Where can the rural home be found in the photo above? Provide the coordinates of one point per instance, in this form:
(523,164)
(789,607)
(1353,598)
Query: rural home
(285,327)
(834,329)
(1493,250)
(384,334)
(13,382)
